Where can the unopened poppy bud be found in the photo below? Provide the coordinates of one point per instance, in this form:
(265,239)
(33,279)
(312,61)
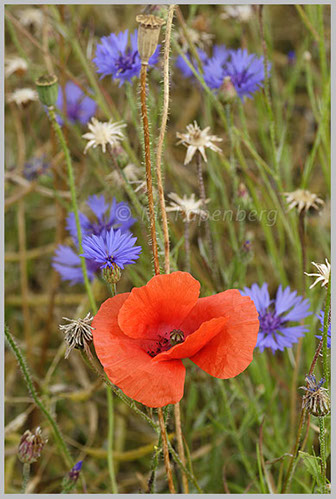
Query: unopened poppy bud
(228,90)
(112,274)
(31,446)
(316,399)
(176,337)
(47,89)
(148,35)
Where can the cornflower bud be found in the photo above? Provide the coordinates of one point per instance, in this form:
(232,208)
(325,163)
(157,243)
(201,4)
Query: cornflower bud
(31,446)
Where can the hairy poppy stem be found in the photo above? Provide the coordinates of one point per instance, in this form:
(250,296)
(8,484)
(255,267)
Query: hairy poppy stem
(166,452)
(179,438)
(143,80)
(162,134)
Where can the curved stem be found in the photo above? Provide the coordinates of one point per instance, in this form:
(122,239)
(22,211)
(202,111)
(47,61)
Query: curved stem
(72,187)
(26,375)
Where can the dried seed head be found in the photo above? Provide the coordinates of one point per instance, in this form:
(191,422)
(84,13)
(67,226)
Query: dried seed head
(316,399)
(47,89)
(31,446)
(148,35)
(78,333)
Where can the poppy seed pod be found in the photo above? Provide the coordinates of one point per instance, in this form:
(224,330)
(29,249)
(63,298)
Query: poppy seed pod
(148,35)
(47,89)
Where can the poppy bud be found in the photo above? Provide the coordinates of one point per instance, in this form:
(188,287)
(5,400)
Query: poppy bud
(47,89)
(148,35)
(31,446)
(176,337)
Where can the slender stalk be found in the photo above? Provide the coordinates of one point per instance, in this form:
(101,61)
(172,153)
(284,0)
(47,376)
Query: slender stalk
(203,198)
(323,455)
(291,466)
(302,237)
(143,80)
(162,134)
(179,438)
(326,322)
(27,377)
(110,440)
(155,463)
(25,477)
(166,452)
(71,180)
(187,244)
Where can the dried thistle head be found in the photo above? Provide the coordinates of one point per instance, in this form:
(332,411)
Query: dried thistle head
(31,446)
(323,273)
(148,35)
(196,139)
(316,399)
(78,333)
(303,200)
(188,207)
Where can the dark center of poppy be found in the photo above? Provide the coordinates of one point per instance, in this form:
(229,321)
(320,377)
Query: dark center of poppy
(164,343)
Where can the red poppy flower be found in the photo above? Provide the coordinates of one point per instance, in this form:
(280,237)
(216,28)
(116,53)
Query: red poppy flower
(141,337)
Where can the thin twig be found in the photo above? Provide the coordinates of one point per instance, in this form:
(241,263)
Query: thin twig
(179,438)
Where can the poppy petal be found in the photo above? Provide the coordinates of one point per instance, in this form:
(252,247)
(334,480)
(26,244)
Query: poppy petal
(195,341)
(105,321)
(130,368)
(160,306)
(230,352)
(209,308)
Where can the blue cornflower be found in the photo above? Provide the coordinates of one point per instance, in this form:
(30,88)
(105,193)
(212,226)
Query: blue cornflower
(113,248)
(184,68)
(321,317)
(106,216)
(291,56)
(79,107)
(246,71)
(35,167)
(75,471)
(276,315)
(114,57)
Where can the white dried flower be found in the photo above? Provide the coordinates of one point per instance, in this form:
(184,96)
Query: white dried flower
(303,200)
(22,96)
(103,133)
(131,172)
(197,140)
(78,333)
(323,273)
(31,17)
(189,207)
(15,65)
(240,12)
(200,39)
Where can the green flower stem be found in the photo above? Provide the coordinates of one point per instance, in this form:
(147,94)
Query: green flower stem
(185,470)
(71,180)
(322,437)
(110,440)
(25,477)
(325,336)
(26,375)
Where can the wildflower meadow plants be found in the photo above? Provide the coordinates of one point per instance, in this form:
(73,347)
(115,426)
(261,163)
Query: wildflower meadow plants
(165,347)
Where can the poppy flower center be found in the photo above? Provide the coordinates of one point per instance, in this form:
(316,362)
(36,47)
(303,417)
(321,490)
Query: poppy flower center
(165,343)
